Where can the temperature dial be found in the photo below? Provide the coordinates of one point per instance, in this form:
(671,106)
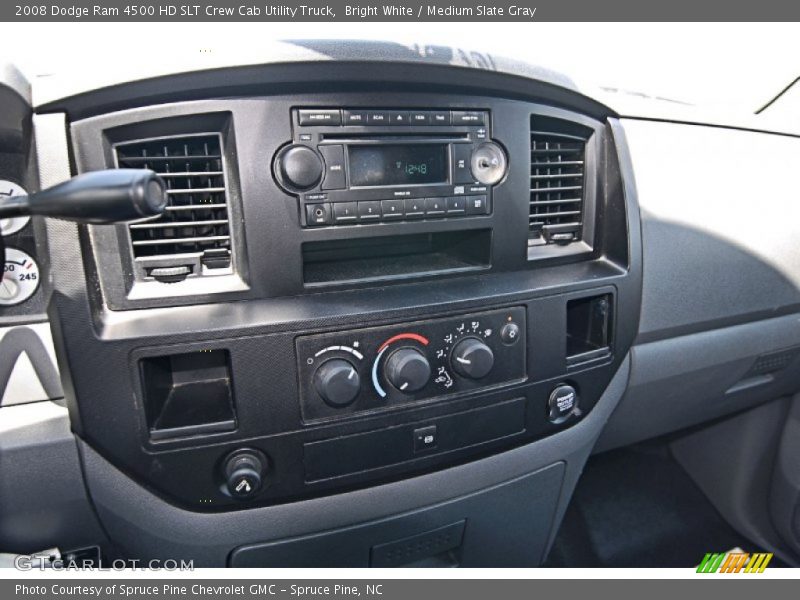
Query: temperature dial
(408,370)
(337,381)
(472,358)
(20,278)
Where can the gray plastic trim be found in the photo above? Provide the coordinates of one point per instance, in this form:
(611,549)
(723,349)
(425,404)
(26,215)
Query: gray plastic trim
(690,379)
(732,463)
(43,499)
(785,490)
(147,527)
(720,244)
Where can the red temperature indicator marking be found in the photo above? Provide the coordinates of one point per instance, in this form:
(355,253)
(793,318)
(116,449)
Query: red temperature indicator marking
(405,336)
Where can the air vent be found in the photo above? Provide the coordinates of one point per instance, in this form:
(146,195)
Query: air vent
(193,235)
(558,153)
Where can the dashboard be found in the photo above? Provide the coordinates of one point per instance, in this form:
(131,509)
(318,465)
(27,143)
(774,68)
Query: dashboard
(392,304)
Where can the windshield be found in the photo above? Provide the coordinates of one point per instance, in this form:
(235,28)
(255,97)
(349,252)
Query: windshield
(733,67)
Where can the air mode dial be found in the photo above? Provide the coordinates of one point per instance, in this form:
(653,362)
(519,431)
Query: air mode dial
(472,358)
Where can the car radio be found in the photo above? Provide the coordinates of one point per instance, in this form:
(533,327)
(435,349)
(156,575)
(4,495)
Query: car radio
(364,166)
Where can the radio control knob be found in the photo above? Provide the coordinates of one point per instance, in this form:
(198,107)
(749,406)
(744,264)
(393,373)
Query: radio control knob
(337,381)
(488,163)
(472,358)
(408,370)
(298,168)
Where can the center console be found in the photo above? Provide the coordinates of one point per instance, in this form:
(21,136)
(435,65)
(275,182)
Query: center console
(352,287)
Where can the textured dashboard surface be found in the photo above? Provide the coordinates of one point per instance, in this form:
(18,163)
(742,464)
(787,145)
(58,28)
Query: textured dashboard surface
(719,226)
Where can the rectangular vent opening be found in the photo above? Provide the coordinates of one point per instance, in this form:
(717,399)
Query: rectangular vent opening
(195,224)
(557,180)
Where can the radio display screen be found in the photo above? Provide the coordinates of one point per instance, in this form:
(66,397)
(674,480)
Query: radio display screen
(398,164)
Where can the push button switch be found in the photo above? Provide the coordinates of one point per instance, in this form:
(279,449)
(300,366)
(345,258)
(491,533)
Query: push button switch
(344,212)
(334,167)
(425,439)
(456,206)
(369,210)
(319,117)
(467,117)
(478,205)
(415,208)
(435,207)
(392,209)
(378,117)
(462,154)
(352,117)
(399,118)
(509,333)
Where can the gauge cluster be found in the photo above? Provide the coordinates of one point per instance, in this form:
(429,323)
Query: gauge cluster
(21,273)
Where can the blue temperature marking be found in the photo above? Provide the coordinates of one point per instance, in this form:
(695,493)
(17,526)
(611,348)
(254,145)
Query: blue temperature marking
(377,385)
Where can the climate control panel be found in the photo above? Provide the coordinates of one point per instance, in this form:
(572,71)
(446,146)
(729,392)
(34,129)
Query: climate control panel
(382,368)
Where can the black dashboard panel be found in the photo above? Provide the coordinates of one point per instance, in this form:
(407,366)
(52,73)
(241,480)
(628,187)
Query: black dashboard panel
(183,387)
(215,380)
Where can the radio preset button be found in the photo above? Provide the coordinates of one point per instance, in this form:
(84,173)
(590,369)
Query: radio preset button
(352,117)
(320,117)
(456,205)
(467,117)
(369,210)
(415,208)
(334,167)
(477,205)
(318,214)
(435,207)
(392,209)
(345,212)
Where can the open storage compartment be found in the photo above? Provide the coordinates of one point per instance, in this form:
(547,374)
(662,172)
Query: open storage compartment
(396,256)
(188,394)
(589,328)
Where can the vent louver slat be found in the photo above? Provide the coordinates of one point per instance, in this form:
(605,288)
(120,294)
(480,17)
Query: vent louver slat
(196,221)
(557,182)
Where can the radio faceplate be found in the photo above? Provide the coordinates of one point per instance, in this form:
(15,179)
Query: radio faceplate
(381,368)
(362,167)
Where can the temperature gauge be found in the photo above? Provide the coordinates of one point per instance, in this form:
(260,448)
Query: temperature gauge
(20,278)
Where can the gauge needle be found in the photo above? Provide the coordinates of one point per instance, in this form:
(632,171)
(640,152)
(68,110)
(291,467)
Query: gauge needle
(8,287)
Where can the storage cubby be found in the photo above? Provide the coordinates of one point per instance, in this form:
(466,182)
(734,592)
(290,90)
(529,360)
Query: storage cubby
(188,394)
(589,327)
(394,257)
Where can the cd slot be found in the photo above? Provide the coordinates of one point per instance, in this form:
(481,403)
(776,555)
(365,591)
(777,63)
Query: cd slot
(332,262)
(375,138)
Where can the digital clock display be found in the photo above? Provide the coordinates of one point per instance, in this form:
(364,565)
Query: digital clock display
(395,164)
